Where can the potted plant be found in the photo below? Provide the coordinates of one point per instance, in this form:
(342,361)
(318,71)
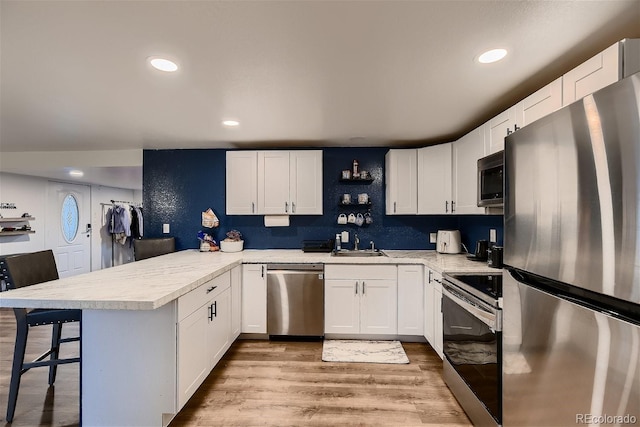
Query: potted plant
(233,242)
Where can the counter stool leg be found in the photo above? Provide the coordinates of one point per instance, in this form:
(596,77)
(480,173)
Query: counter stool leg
(55,350)
(22,331)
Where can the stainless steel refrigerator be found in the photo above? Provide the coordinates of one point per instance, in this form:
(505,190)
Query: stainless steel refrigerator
(571,296)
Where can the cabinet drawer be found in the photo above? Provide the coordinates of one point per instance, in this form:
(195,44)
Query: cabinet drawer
(190,302)
(360,271)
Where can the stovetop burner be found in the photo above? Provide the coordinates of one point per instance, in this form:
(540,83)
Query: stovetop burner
(488,284)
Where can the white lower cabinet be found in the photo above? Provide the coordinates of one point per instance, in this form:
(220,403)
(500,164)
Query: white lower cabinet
(433,310)
(410,300)
(360,299)
(236,302)
(254,298)
(203,333)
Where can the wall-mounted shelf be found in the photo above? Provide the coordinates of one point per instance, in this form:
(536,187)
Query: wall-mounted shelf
(18,219)
(355,205)
(356,180)
(17,231)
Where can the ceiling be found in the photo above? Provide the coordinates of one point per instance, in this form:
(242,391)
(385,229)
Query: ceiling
(74,75)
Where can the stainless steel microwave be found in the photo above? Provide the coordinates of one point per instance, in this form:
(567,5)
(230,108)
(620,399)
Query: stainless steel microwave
(490,180)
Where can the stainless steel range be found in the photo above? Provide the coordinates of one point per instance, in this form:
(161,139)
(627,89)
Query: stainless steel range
(472,343)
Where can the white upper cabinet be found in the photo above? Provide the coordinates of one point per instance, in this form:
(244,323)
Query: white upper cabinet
(274,182)
(497,129)
(612,64)
(434,180)
(401,182)
(540,103)
(593,74)
(242,182)
(305,182)
(466,152)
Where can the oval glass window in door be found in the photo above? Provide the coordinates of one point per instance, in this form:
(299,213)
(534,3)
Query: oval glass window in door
(69,218)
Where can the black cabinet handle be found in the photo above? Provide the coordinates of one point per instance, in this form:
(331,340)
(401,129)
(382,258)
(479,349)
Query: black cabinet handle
(211,289)
(214,309)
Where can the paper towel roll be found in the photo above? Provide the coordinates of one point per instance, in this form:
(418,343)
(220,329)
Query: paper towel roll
(276,220)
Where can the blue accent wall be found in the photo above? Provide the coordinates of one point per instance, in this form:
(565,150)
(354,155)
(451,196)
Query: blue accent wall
(179,184)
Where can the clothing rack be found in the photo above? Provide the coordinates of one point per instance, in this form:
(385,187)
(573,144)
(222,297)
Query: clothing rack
(112,204)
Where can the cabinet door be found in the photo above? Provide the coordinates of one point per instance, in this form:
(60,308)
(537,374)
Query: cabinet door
(540,103)
(434,179)
(219,317)
(341,306)
(497,129)
(242,182)
(236,302)
(254,299)
(437,312)
(466,152)
(410,300)
(592,75)
(305,182)
(429,316)
(273,182)
(379,307)
(193,357)
(401,182)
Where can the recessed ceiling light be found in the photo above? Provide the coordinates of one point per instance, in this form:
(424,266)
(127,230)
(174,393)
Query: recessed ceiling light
(76,173)
(163,64)
(230,123)
(492,55)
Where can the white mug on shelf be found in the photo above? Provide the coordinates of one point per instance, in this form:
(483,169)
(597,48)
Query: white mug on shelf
(342,219)
(352,218)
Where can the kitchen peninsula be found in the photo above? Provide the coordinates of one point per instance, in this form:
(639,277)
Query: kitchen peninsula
(144,347)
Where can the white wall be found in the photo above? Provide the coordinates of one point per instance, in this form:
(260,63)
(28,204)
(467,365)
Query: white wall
(30,195)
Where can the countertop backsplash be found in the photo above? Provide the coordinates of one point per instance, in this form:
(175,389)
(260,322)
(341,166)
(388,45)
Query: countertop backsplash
(179,184)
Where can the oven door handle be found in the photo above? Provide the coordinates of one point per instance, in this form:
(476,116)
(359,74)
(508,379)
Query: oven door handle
(487,315)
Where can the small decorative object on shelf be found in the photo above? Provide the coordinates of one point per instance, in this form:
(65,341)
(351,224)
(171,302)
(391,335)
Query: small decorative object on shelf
(356,169)
(233,242)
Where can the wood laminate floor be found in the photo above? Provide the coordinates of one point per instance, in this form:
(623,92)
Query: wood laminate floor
(260,383)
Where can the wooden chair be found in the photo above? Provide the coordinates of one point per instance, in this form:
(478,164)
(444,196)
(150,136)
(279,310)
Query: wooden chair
(25,270)
(147,248)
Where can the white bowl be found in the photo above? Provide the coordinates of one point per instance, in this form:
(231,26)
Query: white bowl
(231,246)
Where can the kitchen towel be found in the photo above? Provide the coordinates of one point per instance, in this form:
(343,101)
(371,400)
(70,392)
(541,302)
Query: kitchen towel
(363,351)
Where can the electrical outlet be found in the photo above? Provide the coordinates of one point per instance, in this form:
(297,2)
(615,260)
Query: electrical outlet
(433,237)
(165,228)
(493,236)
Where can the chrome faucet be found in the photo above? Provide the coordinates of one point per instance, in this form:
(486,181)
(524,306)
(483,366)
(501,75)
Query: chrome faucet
(373,247)
(356,242)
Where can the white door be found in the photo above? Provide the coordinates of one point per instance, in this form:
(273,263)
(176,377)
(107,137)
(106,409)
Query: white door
(68,227)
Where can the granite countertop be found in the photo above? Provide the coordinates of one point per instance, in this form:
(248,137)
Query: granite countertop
(154,282)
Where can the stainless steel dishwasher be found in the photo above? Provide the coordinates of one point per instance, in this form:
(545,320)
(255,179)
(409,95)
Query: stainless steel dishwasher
(295,300)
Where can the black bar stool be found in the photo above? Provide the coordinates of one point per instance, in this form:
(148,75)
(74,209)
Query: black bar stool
(25,270)
(147,248)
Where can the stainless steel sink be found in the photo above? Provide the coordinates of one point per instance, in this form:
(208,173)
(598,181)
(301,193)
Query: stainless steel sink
(358,253)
